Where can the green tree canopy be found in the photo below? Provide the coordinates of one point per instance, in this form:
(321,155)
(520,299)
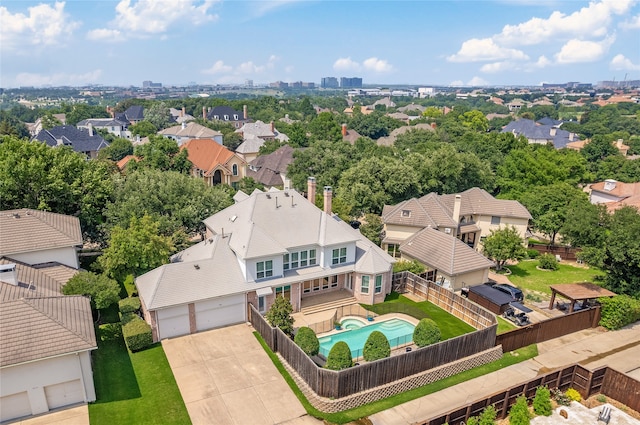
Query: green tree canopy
(307,340)
(376,347)
(622,252)
(159,115)
(339,357)
(103,291)
(117,149)
(279,315)
(426,333)
(503,245)
(143,129)
(163,154)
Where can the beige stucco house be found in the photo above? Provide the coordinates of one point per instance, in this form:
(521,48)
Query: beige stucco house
(214,163)
(268,244)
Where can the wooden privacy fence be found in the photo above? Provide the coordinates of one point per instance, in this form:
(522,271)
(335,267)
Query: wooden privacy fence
(604,380)
(565,252)
(549,329)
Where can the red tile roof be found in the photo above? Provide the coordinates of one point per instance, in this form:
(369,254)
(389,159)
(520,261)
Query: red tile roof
(207,154)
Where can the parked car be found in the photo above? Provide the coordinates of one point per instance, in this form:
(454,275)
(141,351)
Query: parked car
(515,293)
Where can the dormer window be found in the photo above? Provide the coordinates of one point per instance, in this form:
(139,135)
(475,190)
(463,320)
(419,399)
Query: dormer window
(405,213)
(264,269)
(226,117)
(215,117)
(235,117)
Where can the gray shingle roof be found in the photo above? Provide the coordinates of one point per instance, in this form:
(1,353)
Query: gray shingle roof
(37,328)
(46,231)
(191,130)
(446,253)
(541,130)
(269,168)
(44,280)
(68,135)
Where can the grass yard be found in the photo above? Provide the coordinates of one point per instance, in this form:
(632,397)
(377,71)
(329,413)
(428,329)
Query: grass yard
(525,276)
(450,326)
(507,359)
(133,388)
(504,325)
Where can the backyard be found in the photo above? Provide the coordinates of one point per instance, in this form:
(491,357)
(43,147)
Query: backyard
(133,387)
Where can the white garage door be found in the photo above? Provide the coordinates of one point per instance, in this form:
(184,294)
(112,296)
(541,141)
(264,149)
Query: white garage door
(64,394)
(220,312)
(14,406)
(173,321)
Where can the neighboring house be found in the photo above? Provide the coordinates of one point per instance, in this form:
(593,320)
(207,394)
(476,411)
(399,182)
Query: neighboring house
(36,127)
(468,216)
(271,169)
(541,133)
(111,125)
(250,147)
(180,115)
(365,110)
(227,114)
(254,135)
(46,338)
(451,262)
(349,135)
(619,144)
(122,164)
(268,244)
(385,101)
(412,107)
(214,163)
(615,194)
(86,142)
(133,115)
(391,138)
(192,130)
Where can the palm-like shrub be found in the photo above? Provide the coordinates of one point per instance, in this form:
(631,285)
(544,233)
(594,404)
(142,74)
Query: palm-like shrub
(542,402)
(426,333)
(307,340)
(519,412)
(339,357)
(376,347)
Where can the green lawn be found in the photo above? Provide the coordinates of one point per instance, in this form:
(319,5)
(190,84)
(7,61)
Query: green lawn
(525,276)
(133,388)
(504,325)
(507,359)
(450,326)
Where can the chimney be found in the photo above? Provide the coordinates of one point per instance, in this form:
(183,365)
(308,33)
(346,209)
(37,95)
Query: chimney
(311,190)
(344,130)
(552,132)
(273,129)
(244,112)
(433,125)
(184,111)
(327,199)
(571,137)
(619,143)
(90,127)
(184,125)
(456,208)
(8,274)
(204,113)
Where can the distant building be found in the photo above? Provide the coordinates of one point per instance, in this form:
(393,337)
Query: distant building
(151,85)
(279,85)
(329,83)
(350,83)
(426,91)
(248,83)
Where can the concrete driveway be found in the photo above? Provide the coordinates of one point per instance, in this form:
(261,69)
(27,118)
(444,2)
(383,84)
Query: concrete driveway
(225,377)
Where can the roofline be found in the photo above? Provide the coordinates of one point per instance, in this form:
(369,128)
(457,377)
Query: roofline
(50,357)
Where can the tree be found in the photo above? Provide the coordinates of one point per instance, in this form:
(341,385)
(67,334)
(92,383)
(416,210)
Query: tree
(542,402)
(371,228)
(269,146)
(587,224)
(249,184)
(503,245)
(339,357)
(163,154)
(432,112)
(376,347)
(413,266)
(49,121)
(324,127)
(307,340)
(143,129)
(135,249)
(306,108)
(158,115)
(475,120)
(488,416)
(279,315)
(622,252)
(103,291)
(426,333)
(519,412)
(599,148)
(117,149)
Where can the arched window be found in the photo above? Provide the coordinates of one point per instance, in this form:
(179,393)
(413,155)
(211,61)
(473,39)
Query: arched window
(234,169)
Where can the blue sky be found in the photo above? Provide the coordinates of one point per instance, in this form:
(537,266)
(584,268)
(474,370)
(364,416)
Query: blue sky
(502,42)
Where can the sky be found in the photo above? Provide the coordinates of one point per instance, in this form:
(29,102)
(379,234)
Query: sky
(447,42)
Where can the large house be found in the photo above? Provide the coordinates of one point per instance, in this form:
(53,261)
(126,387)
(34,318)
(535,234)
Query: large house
(111,125)
(544,131)
(271,169)
(268,244)
(215,163)
(86,142)
(226,114)
(615,194)
(192,130)
(46,338)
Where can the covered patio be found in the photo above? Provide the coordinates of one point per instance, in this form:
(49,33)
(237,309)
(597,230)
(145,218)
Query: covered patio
(578,292)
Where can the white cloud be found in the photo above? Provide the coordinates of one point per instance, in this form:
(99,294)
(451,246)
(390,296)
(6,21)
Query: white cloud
(485,49)
(346,64)
(44,24)
(456,83)
(542,62)
(491,68)
(631,24)
(60,79)
(377,65)
(228,73)
(477,81)
(621,63)
(250,68)
(218,68)
(104,34)
(576,51)
(147,17)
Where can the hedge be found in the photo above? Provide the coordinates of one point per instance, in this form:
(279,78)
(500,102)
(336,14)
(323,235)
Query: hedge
(307,340)
(129,305)
(618,311)
(426,333)
(377,347)
(136,332)
(339,357)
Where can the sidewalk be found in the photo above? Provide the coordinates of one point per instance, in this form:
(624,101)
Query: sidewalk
(592,348)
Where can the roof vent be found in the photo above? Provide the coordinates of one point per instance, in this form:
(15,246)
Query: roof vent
(286,194)
(268,196)
(609,184)
(15,215)
(196,266)
(8,274)
(233,218)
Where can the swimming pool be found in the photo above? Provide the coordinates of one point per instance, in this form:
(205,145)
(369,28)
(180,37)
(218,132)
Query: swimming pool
(397,331)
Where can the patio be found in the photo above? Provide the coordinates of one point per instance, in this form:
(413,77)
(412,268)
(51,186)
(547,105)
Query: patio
(579,414)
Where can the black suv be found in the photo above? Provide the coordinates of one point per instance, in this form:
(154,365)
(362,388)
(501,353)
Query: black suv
(514,292)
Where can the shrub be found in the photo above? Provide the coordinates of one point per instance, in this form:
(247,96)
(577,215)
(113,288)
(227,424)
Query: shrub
(412,266)
(307,340)
(548,262)
(129,305)
(542,402)
(473,420)
(426,333)
(376,347)
(279,315)
(488,416)
(136,332)
(573,395)
(560,397)
(532,253)
(130,286)
(618,311)
(339,357)
(519,412)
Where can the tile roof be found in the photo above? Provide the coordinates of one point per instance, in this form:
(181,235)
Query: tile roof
(391,138)
(269,168)
(37,328)
(259,129)
(69,135)
(251,144)
(46,231)
(191,130)
(444,252)
(620,189)
(43,280)
(207,154)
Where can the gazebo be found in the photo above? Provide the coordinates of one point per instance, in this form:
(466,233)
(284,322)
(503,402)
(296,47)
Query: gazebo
(578,292)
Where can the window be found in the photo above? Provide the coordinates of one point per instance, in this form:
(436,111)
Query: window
(285,261)
(298,259)
(495,220)
(235,117)
(303,259)
(334,281)
(234,169)
(378,287)
(312,257)
(215,117)
(262,305)
(235,185)
(283,291)
(264,269)
(393,250)
(339,256)
(405,213)
(294,260)
(226,117)
(364,287)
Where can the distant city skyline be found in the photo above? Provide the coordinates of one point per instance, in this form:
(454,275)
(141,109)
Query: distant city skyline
(430,43)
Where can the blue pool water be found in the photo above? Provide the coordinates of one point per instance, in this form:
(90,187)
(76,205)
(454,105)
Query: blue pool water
(397,331)
(351,324)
